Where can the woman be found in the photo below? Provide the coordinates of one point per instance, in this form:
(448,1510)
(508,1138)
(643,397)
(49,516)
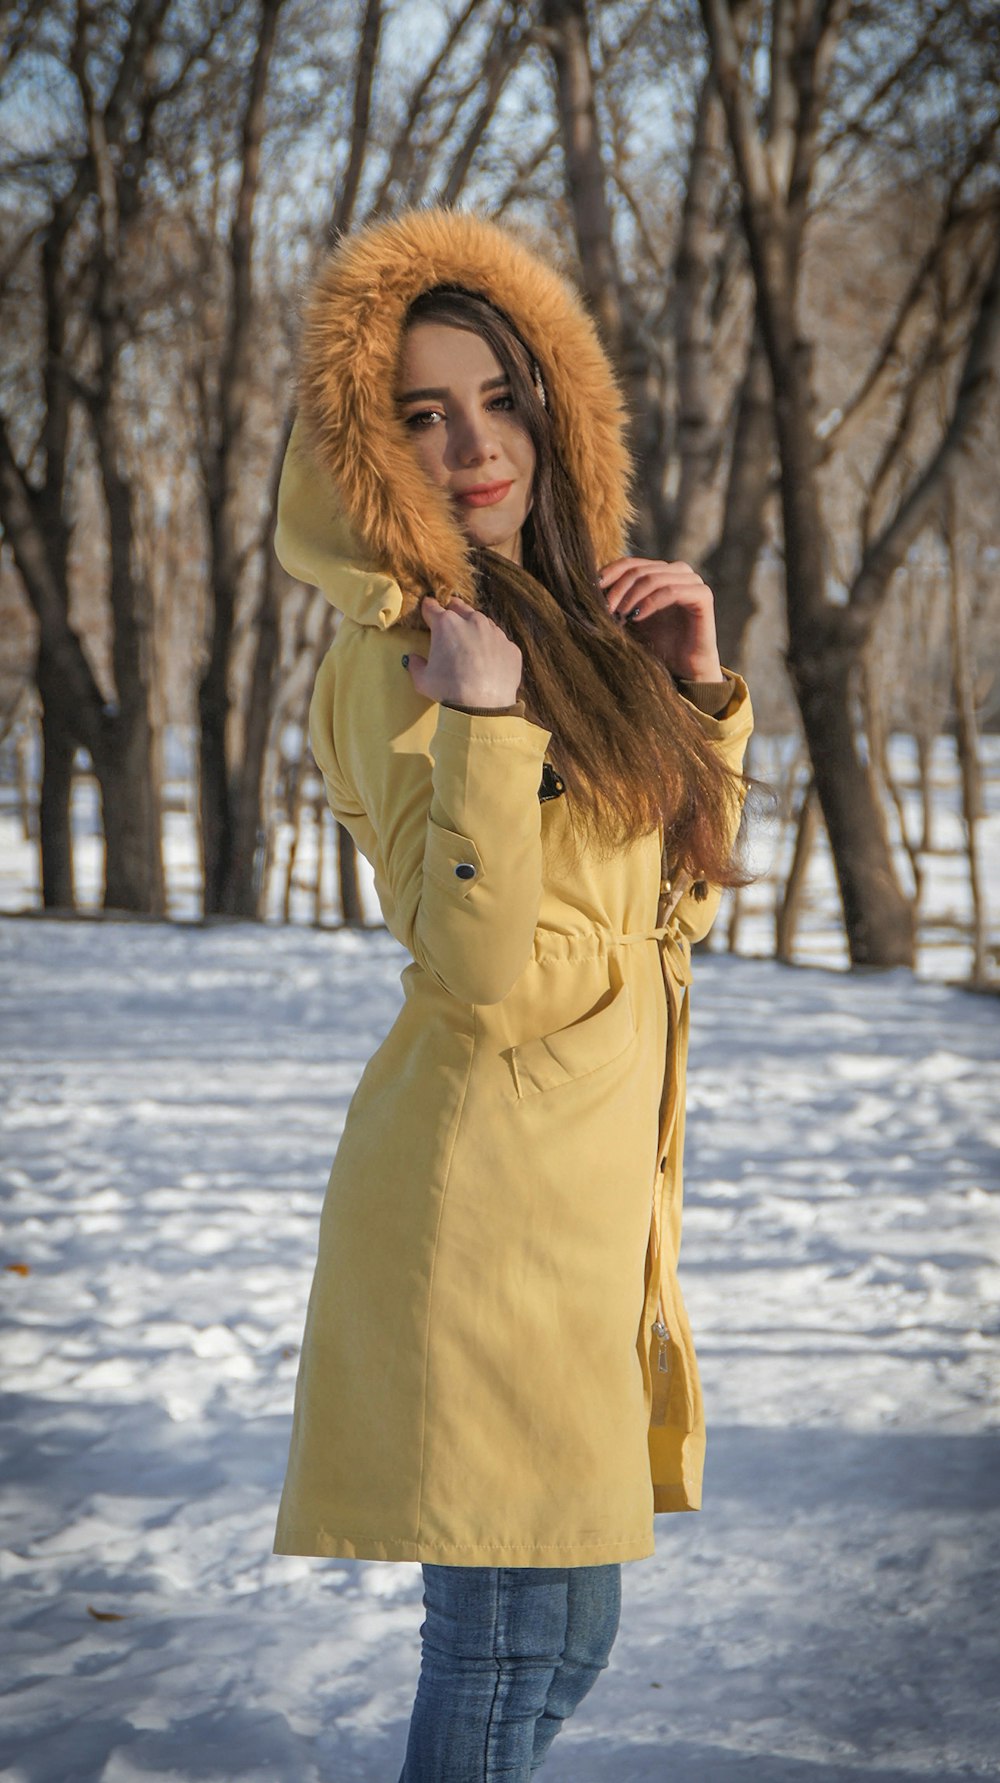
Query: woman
(515,719)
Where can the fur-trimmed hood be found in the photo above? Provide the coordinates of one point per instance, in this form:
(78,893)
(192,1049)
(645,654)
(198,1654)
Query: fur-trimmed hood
(356,514)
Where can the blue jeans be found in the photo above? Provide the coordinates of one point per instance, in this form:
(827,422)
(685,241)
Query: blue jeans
(508,1652)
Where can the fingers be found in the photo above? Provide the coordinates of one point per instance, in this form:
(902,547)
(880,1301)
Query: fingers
(416,668)
(641,572)
(667,594)
(631,581)
(474,669)
(619,565)
(464,609)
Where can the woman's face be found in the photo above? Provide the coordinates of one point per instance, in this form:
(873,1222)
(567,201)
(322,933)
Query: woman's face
(456,404)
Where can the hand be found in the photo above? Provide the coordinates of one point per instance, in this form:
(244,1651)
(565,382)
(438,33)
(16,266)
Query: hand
(676,613)
(471,660)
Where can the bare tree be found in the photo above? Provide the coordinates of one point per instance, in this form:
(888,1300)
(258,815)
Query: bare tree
(164,238)
(708,412)
(777,177)
(565,31)
(88,191)
(229,797)
(965,729)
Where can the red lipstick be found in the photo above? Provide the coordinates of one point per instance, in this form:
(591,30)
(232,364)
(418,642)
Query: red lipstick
(484,495)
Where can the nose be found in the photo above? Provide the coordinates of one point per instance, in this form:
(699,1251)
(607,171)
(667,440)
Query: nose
(475,439)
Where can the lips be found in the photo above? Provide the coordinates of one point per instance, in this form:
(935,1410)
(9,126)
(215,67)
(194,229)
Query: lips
(485,496)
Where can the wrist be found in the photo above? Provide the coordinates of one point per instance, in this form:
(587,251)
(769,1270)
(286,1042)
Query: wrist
(490,697)
(701,668)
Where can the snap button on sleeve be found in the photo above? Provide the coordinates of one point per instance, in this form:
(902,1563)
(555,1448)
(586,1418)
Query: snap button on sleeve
(453,862)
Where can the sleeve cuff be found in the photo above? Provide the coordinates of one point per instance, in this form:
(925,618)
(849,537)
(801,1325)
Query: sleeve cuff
(515,711)
(710,697)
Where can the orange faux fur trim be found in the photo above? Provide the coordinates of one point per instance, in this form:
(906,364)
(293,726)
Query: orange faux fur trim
(353,318)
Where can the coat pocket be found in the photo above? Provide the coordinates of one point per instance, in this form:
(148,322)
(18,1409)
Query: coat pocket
(574,1052)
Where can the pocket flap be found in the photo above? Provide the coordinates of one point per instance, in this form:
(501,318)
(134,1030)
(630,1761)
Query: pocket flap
(575,1051)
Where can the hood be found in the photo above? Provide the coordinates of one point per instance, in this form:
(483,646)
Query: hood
(356,515)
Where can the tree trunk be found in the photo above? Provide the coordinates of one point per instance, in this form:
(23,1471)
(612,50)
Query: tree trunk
(54,815)
(243,886)
(567,39)
(92,291)
(30,825)
(319,811)
(125,761)
(568,42)
(347,877)
(229,804)
(213,790)
(131,814)
(695,280)
(878,918)
(790,908)
(119,741)
(879,755)
(70,699)
(825,641)
(729,568)
(825,652)
(364,79)
(925,765)
(966,739)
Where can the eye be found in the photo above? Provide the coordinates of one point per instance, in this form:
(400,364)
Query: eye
(507,399)
(423,418)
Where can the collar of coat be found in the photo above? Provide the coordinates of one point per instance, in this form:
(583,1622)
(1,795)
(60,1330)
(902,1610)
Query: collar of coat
(356,515)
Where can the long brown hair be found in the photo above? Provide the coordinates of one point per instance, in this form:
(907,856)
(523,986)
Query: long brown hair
(631,753)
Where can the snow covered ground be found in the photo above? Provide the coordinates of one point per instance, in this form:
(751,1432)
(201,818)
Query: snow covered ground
(173,1099)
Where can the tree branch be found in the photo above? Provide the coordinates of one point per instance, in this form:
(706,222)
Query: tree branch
(364,81)
(979,378)
(23,514)
(401,153)
(500,67)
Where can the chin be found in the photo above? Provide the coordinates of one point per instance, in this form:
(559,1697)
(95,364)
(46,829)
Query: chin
(493,532)
(490,536)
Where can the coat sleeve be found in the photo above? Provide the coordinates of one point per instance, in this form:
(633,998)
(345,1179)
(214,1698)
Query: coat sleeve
(445,806)
(730,732)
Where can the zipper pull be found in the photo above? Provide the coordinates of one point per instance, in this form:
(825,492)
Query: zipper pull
(662,1379)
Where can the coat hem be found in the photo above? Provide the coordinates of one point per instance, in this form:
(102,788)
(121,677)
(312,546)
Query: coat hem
(675,1498)
(508,1553)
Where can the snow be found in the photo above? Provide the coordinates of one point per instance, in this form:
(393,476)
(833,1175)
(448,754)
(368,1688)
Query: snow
(944,947)
(173,1097)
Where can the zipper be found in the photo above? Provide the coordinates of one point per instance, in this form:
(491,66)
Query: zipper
(662,1335)
(660,1369)
(659,1353)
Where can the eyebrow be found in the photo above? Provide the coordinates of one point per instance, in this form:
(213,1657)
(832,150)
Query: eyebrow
(418,395)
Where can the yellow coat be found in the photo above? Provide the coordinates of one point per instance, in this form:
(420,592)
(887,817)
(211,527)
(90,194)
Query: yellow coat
(481,1382)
